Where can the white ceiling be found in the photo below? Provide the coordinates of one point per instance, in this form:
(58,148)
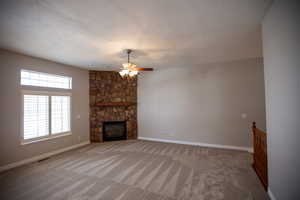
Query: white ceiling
(165,33)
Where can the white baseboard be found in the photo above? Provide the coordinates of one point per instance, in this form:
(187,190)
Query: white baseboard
(42,156)
(250,150)
(271,195)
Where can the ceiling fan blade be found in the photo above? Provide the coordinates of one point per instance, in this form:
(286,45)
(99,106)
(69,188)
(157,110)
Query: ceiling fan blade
(144,69)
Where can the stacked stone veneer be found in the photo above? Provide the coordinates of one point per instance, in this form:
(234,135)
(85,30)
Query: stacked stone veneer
(110,87)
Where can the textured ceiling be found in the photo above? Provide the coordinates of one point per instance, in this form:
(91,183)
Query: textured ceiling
(92,33)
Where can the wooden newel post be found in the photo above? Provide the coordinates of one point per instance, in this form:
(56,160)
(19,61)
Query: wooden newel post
(260,161)
(253,125)
(254,143)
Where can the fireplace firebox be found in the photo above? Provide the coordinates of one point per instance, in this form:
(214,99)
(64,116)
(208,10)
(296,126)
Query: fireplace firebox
(115,130)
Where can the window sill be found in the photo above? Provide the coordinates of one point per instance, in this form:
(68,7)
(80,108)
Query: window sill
(25,142)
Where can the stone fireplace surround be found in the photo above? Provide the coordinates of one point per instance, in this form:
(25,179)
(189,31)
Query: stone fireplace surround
(112,98)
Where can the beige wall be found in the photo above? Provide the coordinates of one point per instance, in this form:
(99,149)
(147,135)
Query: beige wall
(202,104)
(281,32)
(10,148)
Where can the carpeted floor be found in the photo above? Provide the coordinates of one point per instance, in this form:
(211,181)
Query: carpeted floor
(136,170)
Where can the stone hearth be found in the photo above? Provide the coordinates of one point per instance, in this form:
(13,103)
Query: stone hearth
(112,98)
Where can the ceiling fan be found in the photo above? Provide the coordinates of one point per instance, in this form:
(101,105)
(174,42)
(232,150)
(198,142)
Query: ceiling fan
(130,69)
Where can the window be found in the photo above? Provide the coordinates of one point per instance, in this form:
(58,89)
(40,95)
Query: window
(32,78)
(60,114)
(45,114)
(36,116)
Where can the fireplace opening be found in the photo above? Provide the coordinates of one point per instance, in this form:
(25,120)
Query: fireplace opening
(115,130)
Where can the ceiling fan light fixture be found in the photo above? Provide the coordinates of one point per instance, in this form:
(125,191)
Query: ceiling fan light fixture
(125,65)
(133,73)
(130,69)
(124,72)
(128,65)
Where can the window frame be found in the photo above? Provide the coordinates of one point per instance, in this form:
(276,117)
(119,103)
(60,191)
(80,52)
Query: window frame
(47,74)
(50,135)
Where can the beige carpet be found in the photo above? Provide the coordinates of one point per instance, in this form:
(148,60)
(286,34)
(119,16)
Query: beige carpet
(136,170)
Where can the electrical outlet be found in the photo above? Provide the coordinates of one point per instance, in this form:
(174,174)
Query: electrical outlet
(79,138)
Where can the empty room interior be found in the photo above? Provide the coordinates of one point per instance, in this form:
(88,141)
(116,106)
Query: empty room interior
(150,100)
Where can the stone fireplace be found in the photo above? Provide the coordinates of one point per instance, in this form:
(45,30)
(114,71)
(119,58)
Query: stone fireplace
(112,99)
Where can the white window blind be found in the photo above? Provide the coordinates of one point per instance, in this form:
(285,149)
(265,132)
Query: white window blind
(40,79)
(36,116)
(45,115)
(60,114)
